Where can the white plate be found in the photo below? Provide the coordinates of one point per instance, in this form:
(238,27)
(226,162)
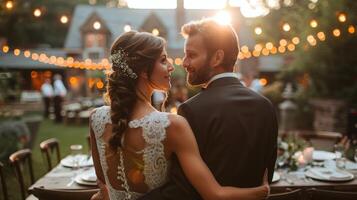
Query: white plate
(326,171)
(80,181)
(276,177)
(323,155)
(89,176)
(83,161)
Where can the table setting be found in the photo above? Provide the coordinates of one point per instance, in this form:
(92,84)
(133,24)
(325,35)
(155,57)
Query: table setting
(299,165)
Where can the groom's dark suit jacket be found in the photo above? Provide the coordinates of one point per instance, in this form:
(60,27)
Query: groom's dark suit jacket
(236,131)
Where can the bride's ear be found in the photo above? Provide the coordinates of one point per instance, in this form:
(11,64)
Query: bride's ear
(144,75)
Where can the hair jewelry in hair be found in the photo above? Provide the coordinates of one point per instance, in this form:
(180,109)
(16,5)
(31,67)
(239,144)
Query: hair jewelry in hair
(119,60)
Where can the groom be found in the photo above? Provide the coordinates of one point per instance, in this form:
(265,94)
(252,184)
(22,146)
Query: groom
(236,128)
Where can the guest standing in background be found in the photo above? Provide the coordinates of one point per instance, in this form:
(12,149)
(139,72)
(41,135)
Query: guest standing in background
(60,92)
(47,95)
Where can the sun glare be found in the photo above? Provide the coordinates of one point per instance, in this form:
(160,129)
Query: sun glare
(223,17)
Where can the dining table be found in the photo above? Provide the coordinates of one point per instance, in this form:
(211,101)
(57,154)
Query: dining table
(63,178)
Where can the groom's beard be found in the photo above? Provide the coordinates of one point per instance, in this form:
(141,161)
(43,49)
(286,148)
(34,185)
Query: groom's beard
(200,75)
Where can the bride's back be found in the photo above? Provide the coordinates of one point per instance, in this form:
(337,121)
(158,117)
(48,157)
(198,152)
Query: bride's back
(141,163)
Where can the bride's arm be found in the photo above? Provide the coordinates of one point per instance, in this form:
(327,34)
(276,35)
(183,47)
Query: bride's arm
(181,141)
(103,192)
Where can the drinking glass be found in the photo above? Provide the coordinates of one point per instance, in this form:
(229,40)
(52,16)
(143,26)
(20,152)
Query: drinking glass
(340,156)
(76,151)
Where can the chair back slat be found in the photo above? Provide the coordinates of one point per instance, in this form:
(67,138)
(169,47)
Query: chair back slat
(17,160)
(48,194)
(3,182)
(47,147)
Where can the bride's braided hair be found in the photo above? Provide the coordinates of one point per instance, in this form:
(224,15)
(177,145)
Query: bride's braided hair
(141,51)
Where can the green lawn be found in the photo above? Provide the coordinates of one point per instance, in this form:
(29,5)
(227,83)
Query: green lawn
(66,134)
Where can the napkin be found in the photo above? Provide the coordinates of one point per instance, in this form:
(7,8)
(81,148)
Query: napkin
(329,174)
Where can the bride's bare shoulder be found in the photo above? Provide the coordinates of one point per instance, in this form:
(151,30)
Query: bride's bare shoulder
(178,124)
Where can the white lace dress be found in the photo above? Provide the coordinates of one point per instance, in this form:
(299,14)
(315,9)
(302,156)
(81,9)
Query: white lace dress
(155,164)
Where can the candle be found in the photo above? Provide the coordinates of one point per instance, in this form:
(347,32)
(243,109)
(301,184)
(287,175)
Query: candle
(307,153)
(301,160)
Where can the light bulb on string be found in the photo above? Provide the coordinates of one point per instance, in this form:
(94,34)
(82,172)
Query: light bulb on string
(37,12)
(286,27)
(313,23)
(351,29)
(258,30)
(342,17)
(336,32)
(9,5)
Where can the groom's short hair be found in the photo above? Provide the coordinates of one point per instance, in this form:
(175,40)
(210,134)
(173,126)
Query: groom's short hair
(215,36)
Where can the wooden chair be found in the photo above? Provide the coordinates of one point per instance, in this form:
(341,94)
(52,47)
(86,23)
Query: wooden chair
(47,194)
(18,160)
(3,182)
(319,194)
(47,147)
(293,195)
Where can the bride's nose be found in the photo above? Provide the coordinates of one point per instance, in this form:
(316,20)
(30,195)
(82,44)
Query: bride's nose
(170,67)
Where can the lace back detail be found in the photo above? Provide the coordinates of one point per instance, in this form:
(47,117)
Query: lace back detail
(155,164)
(99,118)
(154,132)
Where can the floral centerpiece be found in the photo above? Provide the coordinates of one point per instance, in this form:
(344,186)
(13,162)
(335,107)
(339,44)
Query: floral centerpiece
(293,151)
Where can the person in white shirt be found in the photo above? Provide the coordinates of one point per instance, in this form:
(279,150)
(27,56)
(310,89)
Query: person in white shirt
(47,95)
(60,92)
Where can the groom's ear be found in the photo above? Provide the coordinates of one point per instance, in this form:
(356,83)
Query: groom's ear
(217,58)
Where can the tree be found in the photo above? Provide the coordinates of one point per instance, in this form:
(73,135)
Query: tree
(324,61)
(22,29)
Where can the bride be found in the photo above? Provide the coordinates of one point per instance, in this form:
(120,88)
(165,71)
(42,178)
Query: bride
(132,142)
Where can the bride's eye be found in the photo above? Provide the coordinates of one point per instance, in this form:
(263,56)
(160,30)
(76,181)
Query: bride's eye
(164,60)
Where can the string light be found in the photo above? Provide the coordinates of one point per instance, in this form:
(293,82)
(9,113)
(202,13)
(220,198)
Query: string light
(96,25)
(281,49)
(258,30)
(258,47)
(291,47)
(5,49)
(351,29)
(263,81)
(16,52)
(342,17)
(155,32)
(286,27)
(321,36)
(9,5)
(336,32)
(178,61)
(269,45)
(283,42)
(37,12)
(295,40)
(244,49)
(127,28)
(64,19)
(313,23)
(265,51)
